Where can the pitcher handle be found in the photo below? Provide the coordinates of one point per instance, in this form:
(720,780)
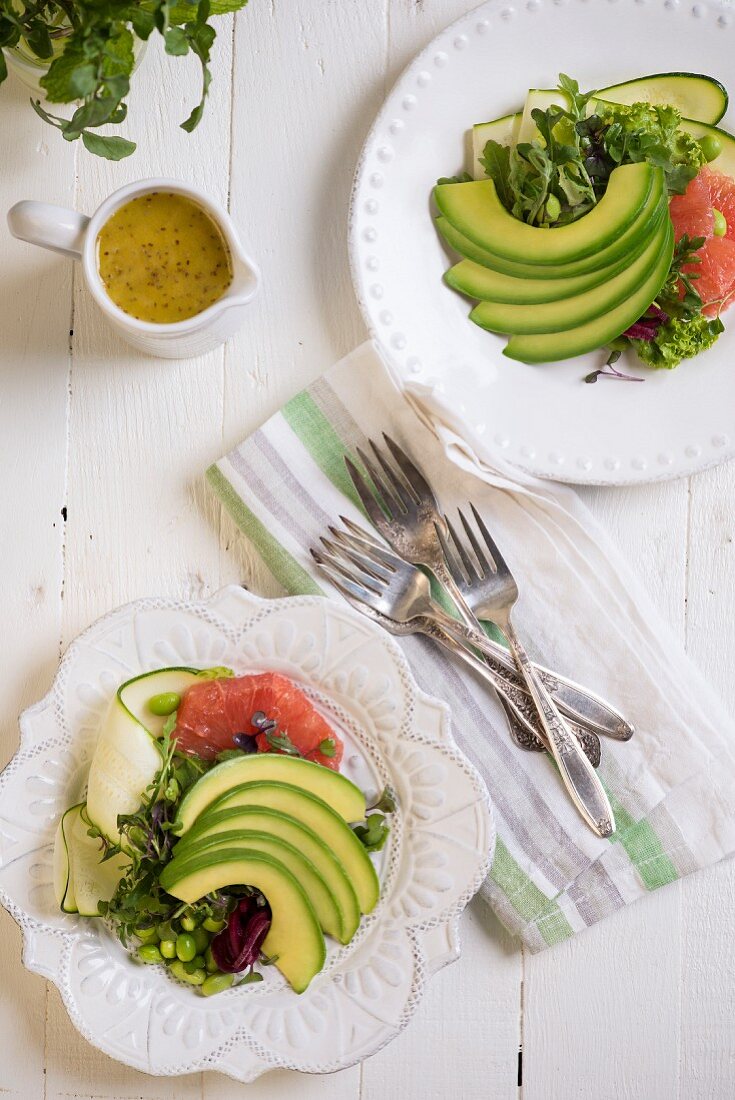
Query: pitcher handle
(49,226)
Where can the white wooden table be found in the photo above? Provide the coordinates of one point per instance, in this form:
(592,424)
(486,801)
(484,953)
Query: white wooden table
(102,501)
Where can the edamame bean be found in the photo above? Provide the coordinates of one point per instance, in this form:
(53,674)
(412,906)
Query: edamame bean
(213,925)
(209,962)
(188,923)
(201,939)
(168,949)
(197,963)
(164,704)
(711,147)
(178,969)
(186,949)
(146,935)
(216,983)
(553,208)
(149,953)
(719,227)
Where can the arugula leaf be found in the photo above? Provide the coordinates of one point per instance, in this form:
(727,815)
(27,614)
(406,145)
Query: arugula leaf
(495,160)
(462,177)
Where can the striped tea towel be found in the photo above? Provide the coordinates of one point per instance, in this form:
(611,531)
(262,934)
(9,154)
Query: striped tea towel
(672,787)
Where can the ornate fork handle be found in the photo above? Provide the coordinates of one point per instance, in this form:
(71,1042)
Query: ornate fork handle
(527,731)
(578,774)
(579,705)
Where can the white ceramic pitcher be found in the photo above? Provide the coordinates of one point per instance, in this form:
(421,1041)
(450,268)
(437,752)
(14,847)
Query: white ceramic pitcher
(75,235)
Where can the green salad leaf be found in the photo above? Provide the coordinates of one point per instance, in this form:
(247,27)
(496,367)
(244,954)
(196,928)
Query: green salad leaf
(560,175)
(679,338)
(374,833)
(650,132)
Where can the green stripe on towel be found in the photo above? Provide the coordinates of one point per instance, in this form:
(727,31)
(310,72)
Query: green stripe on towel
(528,901)
(310,425)
(643,846)
(282,565)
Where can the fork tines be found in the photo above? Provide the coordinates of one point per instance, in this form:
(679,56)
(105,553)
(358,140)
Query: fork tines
(399,483)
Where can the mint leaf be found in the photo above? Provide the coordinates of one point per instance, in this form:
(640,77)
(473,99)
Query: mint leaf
(327,747)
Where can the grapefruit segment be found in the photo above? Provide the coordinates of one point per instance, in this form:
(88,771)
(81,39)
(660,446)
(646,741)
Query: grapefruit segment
(213,712)
(692,213)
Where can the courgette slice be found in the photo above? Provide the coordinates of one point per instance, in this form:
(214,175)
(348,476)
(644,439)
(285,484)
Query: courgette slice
(127,756)
(63,867)
(697,97)
(725,162)
(503,130)
(700,99)
(94,881)
(135,694)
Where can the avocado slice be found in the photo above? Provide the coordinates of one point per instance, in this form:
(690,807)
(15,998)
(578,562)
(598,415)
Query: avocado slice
(288,828)
(346,799)
(642,226)
(304,871)
(319,817)
(577,309)
(294,938)
(476,211)
(477,281)
(548,347)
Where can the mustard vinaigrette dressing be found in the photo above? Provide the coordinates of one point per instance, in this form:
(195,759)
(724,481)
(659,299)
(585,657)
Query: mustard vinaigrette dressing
(162,258)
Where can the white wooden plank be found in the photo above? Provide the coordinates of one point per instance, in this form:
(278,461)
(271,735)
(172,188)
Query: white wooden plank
(708,899)
(588,1027)
(140,436)
(466,1034)
(308,80)
(464,1038)
(34,321)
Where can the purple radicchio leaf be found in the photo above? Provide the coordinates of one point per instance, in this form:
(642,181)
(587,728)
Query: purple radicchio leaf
(647,326)
(237,946)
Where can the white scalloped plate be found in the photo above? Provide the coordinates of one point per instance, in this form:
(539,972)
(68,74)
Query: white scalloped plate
(439,851)
(544,419)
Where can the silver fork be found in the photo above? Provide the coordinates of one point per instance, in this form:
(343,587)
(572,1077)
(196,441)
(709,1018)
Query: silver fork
(517,704)
(411,510)
(487,566)
(410,524)
(579,704)
(401,591)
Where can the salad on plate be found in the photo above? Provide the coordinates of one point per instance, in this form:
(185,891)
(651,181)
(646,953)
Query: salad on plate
(599,220)
(218,835)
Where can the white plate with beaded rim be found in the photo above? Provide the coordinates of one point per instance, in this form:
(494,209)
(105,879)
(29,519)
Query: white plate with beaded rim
(544,419)
(438,853)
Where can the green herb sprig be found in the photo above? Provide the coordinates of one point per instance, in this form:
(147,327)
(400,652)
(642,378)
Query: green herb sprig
(96,62)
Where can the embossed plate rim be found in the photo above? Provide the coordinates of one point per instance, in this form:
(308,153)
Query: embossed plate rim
(413,933)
